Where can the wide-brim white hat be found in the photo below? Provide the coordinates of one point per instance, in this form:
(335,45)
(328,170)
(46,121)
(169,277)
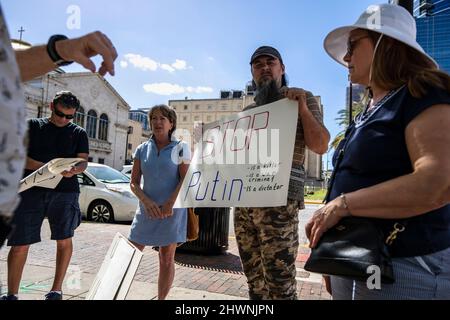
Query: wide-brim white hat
(388,19)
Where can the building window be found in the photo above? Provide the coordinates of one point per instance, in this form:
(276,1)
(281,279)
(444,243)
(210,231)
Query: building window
(197,107)
(184,119)
(185,107)
(210,107)
(101,160)
(197,118)
(90,159)
(208,118)
(79,117)
(91,124)
(103,127)
(224,107)
(130,146)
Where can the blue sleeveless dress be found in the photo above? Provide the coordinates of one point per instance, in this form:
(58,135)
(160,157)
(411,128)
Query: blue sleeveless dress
(161,177)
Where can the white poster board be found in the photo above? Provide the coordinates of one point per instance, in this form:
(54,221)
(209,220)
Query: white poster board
(117,271)
(49,175)
(244,160)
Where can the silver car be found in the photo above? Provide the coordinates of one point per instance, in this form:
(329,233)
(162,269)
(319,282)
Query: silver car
(105,194)
(126,170)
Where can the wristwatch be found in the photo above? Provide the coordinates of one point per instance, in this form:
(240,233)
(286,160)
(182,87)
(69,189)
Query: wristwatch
(53,54)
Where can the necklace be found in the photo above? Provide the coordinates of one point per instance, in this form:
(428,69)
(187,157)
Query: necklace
(370,110)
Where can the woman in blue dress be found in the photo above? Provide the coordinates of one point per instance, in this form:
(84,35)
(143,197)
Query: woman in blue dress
(163,162)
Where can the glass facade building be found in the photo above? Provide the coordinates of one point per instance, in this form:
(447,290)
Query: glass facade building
(433,29)
(141,116)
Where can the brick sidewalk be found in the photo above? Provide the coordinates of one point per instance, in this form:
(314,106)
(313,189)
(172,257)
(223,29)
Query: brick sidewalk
(220,274)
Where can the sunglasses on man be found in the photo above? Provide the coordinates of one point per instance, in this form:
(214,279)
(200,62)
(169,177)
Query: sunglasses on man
(63,115)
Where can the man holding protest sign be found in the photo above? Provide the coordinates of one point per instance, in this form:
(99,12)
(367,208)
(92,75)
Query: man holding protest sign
(268,237)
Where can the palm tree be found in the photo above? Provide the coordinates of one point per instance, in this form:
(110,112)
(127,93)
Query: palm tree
(342,121)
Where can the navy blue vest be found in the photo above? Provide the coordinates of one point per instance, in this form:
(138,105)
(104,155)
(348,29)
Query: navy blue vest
(375,151)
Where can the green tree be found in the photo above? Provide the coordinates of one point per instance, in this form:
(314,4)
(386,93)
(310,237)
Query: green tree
(342,121)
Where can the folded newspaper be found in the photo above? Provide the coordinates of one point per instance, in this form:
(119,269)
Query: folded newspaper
(49,175)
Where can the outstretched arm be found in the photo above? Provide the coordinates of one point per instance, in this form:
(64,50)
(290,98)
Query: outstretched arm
(35,61)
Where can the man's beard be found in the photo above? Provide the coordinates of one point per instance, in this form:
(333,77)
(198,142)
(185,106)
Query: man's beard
(267,92)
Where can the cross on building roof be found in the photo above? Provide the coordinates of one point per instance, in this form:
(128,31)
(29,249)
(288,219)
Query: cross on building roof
(22,30)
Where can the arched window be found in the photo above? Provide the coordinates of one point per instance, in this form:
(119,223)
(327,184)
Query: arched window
(91,124)
(103,127)
(79,117)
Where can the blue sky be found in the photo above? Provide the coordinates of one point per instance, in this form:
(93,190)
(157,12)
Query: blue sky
(195,48)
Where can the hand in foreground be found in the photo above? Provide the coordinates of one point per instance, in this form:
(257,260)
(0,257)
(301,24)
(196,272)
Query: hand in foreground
(325,218)
(82,49)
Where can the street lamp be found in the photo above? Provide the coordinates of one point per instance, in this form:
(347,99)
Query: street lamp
(129,131)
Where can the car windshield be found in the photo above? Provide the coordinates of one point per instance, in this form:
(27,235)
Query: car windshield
(108,175)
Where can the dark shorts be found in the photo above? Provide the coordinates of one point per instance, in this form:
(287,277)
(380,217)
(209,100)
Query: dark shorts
(61,209)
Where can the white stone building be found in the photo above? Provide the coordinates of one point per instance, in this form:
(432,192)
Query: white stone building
(103,112)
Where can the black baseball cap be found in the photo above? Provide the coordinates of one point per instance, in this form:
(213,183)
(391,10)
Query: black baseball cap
(266,51)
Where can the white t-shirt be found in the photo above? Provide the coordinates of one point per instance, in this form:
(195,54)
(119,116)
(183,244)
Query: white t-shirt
(13,126)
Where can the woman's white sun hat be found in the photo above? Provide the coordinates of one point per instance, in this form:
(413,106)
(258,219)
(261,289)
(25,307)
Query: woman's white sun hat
(388,19)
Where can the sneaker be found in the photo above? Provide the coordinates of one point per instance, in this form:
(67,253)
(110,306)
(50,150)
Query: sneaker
(53,295)
(10,297)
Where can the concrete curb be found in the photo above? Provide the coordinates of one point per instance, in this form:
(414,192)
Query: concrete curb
(313,202)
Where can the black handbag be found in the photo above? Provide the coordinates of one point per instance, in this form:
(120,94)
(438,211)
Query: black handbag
(349,249)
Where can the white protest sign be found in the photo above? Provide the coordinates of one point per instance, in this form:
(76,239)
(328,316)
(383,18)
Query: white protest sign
(244,160)
(116,274)
(49,175)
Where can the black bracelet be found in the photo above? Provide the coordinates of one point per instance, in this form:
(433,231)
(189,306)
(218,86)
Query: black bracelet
(53,54)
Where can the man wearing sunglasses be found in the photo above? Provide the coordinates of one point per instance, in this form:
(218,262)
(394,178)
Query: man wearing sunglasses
(49,138)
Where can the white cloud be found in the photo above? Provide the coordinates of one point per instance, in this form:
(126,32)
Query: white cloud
(148,64)
(211,59)
(141,62)
(167,89)
(167,67)
(179,64)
